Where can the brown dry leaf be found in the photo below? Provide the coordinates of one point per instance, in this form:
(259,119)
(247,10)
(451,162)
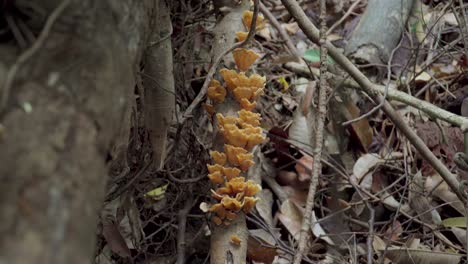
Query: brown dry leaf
(259,253)
(420,202)
(365,164)
(291,217)
(297,196)
(291,28)
(115,240)
(394,233)
(304,167)
(443,192)
(360,130)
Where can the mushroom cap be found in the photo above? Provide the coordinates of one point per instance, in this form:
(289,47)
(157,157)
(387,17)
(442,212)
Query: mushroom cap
(249,117)
(236,240)
(216,91)
(231,204)
(247,105)
(241,35)
(244,58)
(228,77)
(252,188)
(247,17)
(231,173)
(215,167)
(216,177)
(232,152)
(218,157)
(249,204)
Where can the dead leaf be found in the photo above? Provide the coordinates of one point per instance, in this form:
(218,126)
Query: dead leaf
(393,233)
(318,231)
(378,244)
(291,28)
(361,132)
(291,217)
(265,236)
(304,167)
(364,164)
(297,196)
(264,206)
(443,192)
(420,203)
(257,252)
(460,233)
(115,240)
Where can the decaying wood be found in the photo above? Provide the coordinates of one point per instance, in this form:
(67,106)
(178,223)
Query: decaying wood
(61,117)
(378,31)
(222,250)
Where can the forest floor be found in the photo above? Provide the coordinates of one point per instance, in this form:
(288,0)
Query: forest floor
(376,197)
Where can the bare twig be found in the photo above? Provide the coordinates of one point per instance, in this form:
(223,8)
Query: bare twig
(274,22)
(321,115)
(30,52)
(312,33)
(217,61)
(181,230)
(348,13)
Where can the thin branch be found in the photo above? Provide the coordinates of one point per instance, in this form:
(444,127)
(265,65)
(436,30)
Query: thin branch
(284,35)
(182,219)
(312,33)
(321,115)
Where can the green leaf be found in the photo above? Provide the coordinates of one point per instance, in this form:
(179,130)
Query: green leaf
(313,55)
(283,82)
(454,222)
(157,193)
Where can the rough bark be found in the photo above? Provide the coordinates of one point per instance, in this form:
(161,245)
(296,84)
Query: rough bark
(62,116)
(158,81)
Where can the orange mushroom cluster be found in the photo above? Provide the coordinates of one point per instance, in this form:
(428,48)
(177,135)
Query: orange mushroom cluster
(241,133)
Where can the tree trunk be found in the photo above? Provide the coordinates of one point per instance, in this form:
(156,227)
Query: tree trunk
(62,115)
(158,81)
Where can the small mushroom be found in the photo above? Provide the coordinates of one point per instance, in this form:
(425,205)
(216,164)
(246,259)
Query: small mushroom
(247,17)
(218,157)
(244,58)
(216,92)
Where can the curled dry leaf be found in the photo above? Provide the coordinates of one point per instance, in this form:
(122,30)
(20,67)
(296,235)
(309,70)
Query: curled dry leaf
(318,231)
(364,164)
(264,206)
(291,217)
